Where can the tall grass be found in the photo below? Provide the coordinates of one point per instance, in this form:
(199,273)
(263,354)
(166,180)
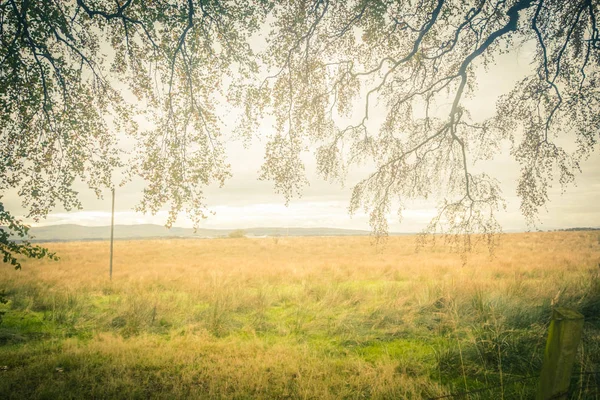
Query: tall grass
(294,318)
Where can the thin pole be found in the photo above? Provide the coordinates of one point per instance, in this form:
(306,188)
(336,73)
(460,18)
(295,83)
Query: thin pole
(112,231)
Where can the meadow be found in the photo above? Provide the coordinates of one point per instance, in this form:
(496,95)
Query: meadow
(318,318)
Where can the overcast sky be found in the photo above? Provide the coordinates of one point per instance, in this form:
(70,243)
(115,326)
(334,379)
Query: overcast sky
(246,202)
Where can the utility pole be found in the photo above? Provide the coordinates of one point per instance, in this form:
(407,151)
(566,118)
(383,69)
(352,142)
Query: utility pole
(112,231)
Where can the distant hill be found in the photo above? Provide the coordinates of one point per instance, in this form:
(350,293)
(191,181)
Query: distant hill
(578,229)
(71,232)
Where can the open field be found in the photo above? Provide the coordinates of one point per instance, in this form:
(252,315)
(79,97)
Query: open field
(295,318)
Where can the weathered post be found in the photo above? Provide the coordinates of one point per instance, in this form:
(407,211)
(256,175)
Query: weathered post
(564,335)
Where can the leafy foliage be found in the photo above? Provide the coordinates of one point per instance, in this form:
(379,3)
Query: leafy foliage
(64,98)
(9,249)
(417,68)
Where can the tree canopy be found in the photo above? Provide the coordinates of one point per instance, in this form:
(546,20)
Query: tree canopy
(63,110)
(408,58)
(74,76)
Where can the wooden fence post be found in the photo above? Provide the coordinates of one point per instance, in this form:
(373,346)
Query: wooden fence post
(564,335)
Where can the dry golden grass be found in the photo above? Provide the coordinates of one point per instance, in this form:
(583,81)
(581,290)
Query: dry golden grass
(328,317)
(190,264)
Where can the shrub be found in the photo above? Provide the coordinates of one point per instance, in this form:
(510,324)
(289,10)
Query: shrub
(238,233)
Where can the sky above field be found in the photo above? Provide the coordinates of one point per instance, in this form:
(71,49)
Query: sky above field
(246,202)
